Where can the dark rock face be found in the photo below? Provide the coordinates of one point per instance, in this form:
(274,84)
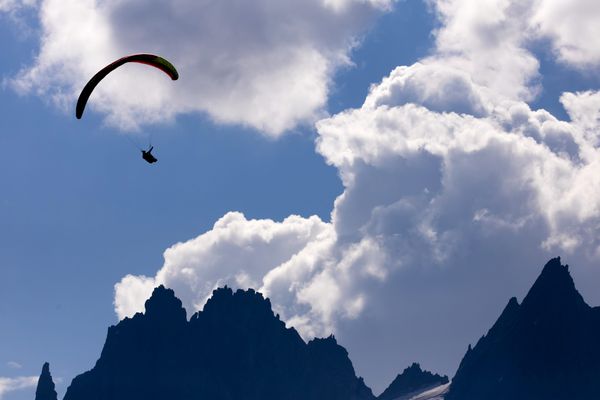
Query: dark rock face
(546,348)
(234,349)
(411,380)
(45,387)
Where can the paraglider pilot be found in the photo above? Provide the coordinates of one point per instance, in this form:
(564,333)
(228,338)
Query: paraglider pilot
(147,155)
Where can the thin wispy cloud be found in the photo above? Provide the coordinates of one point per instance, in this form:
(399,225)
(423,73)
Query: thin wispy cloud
(8,385)
(14,365)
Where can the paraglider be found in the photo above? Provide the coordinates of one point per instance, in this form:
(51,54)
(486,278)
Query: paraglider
(147,155)
(148,59)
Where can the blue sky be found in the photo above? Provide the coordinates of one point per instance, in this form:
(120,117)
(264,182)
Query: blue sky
(79,210)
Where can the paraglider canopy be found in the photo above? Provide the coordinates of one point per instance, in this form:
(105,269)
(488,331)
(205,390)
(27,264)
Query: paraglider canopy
(148,59)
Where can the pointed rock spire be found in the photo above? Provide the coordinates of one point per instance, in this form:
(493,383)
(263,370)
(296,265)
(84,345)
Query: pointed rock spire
(45,388)
(553,290)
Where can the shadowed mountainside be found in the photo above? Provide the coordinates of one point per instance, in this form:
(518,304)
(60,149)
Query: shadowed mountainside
(546,348)
(236,348)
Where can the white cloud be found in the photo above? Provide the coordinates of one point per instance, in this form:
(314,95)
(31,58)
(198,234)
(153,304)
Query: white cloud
(264,64)
(8,385)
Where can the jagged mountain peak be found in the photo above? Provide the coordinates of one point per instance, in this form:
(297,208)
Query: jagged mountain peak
(413,379)
(329,349)
(163,305)
(46,370)
(329,341)
(240,307)
(553,290)
(225,297)
(414,367)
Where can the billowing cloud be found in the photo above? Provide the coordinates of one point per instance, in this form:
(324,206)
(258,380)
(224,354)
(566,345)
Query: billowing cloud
(264,64)
(8,385)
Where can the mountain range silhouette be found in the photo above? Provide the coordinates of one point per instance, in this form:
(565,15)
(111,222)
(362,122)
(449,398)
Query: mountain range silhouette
(546,348)
(236,348)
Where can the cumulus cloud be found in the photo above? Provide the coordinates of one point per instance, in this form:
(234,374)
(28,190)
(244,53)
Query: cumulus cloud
(264,64)
(8,385)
